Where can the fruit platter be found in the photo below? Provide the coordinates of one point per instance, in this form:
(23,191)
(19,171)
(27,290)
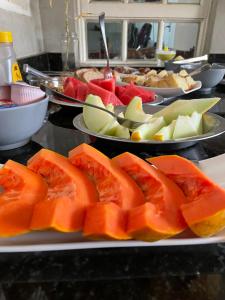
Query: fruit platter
(87,200)
(179,125)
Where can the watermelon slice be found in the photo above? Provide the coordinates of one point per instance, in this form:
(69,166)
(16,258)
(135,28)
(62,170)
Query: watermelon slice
(69,88)
(131,91)
(75,88)
(82,92)
(120,90)
(106,96)
(107,84)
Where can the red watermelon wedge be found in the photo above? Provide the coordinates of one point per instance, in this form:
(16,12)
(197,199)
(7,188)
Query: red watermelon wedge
(106,96)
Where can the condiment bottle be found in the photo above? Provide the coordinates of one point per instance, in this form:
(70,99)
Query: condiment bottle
(9,69)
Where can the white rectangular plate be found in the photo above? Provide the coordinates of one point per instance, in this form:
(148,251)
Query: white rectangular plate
(169,92)
(54,241)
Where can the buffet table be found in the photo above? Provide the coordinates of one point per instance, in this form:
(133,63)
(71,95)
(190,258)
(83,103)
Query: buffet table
(175,272)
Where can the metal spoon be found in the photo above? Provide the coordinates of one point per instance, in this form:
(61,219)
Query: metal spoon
(122,121)
(107,71)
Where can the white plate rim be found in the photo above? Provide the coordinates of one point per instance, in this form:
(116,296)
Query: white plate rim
(16,244)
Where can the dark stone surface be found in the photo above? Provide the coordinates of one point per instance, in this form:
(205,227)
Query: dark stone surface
(156,273)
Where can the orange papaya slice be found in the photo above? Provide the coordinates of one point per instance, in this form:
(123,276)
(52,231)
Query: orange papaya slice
(160,217)
(205,210)
(70,192)
(113,185)
(20,189)
(105,220)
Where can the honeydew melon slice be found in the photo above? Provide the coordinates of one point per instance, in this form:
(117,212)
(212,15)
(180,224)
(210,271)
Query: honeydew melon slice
(135,111)
(208,123)
(109,128)
(165,133)
(95,119)
(186,108)
(196,119)
(184,128)
(147,131)
(121,131)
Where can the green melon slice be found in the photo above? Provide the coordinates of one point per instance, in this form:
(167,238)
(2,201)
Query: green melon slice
(186,108)
(196,119)
(135,111)
(165,133)
(95,119)
(147,131)
(184,128)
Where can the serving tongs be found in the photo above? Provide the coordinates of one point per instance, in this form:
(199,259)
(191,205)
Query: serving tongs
(29,70)
(60,96)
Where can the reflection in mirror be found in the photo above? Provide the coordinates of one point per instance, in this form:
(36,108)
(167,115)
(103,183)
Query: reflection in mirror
(184,1)
(96,48)
(142,40)
(181,37)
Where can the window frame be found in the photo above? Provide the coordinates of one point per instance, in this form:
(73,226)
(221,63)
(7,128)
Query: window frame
(131,12)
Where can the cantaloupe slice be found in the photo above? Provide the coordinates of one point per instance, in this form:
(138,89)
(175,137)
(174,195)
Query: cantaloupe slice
(205,210)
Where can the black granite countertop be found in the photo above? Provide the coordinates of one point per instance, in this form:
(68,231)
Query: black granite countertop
(156,273)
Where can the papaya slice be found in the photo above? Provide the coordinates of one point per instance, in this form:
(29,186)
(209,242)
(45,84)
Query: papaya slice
(105,220)
(113,185)
(20,189)
(70,192)
(205,210)
(160,217)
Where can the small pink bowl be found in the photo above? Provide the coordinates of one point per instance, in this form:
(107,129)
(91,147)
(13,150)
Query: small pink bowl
(22,93)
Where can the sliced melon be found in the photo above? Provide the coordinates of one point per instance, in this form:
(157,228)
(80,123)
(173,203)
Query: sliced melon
(109,128)
(121,131)
(95,119)
(165,133)
(135,111)
(208,123)
(184,128)
(147,131)
(186,108)
(196,119)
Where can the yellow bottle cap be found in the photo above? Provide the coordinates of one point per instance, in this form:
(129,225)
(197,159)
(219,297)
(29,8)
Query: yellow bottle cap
(6,37)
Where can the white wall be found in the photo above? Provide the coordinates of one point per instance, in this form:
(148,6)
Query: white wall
(218,36)
(26,30)
(53,23)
